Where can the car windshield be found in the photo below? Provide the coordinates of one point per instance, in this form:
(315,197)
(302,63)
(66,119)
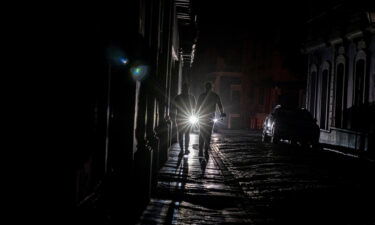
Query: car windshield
(297,114)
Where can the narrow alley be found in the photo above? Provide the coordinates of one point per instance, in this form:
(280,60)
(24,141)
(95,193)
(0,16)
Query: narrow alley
(192,112)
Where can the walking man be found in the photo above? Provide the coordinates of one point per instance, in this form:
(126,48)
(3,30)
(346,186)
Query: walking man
(183,108)
(206,108)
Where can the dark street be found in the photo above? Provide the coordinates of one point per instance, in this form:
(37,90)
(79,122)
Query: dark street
(247,182)
(290,185)
(191,112)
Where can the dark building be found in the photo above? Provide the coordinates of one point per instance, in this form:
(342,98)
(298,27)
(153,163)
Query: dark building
(140,54)
(340,48)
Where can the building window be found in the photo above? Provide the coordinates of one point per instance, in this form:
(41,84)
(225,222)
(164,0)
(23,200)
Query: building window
(371,17)
(261,96)
(340,96)
(324,99)
(323,106)
(251,94)
(359,85)
(361,89)
(312,92)
(236,101)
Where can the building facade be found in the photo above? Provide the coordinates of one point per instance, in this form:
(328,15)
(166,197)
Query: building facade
(140,55)
(341,75)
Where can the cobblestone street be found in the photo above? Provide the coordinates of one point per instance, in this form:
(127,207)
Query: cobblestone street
(193,190)
(246,182)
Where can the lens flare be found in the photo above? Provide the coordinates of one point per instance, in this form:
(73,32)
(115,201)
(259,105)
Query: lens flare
(124,61)
(215,120)
(193,119)
(139,71)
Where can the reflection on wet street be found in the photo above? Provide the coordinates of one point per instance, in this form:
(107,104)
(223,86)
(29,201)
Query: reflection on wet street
(246,182)
(290,185)
(192,190)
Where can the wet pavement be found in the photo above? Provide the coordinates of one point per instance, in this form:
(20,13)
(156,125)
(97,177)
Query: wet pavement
(193,190)
(247,182)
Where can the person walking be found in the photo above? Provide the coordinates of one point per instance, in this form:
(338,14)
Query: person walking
(206,108)
(183,107)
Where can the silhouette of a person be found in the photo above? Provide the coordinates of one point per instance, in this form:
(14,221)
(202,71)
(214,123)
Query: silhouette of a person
(184,105)
(206,108)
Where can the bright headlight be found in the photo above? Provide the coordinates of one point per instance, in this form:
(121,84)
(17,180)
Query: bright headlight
(215,120)
(193,119)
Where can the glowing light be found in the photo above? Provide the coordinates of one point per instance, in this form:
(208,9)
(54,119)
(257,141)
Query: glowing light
(139,71)
(215,120)
(124,61)
(193,119)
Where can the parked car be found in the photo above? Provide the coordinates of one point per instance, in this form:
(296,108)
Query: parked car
(295,125)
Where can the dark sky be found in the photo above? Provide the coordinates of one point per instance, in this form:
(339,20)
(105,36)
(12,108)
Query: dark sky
(223,24)
(237,17)
(220,19)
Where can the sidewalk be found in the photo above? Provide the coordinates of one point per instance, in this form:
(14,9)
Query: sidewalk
(193,190)
(367,156)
